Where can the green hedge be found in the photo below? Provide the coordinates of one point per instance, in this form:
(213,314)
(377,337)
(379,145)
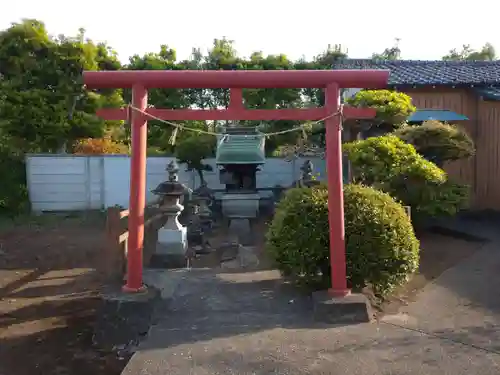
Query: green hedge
(381,247)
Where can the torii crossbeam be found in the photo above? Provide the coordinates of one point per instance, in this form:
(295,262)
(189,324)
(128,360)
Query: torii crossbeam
(329,80)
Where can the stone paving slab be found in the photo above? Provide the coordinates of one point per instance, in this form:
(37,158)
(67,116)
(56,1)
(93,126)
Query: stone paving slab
(462,304)
(207,291)
(369,349)
(165,281)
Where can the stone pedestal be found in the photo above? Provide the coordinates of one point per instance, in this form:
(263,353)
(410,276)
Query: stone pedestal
(242,229)
(351,309)
(172,241)
(124,318)
(240,205)
(172,244)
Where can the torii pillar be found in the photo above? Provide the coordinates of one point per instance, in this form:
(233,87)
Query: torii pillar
(329,80)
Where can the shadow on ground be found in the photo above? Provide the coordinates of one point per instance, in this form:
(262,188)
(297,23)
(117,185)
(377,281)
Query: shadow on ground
(475,281)
(49,296)
(209,304)
(225,323)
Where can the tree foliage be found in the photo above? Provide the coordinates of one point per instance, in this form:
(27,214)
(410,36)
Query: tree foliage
(193,150)
(393,166)
(438,142)
(393,108)
(391,53)
(99,146)
(42,100)
(223,56)
(486,53)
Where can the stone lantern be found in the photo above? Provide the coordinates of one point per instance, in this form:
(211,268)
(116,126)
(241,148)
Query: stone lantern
(172,245)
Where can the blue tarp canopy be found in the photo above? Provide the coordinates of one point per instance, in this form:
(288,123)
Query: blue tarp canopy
(443,115)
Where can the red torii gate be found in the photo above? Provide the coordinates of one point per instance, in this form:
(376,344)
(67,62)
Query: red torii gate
(330,80)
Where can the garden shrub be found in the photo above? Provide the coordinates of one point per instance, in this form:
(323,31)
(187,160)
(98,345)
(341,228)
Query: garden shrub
(13,190)
(381,247)
(392,107)
(437,141)
(393,166)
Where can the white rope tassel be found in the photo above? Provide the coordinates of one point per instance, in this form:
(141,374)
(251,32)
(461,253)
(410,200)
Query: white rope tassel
(173,137)
(304,133)
(341,117)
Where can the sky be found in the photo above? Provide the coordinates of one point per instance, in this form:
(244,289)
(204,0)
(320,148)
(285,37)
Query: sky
(428,29)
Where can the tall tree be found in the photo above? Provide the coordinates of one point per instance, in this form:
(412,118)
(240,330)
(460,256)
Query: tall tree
(392,53)
(273,98)
(222,56)
(42,100)
(159,133)
(323,61)
(486,53)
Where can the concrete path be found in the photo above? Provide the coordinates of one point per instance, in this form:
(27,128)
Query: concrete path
(251,323)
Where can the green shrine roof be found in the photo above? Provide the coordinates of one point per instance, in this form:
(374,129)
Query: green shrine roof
(240,145)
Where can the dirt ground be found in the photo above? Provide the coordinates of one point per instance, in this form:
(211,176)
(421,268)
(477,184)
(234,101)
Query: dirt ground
(49,296)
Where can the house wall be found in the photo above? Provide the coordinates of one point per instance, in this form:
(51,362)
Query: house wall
(74,182)
(482,171)
(488,155)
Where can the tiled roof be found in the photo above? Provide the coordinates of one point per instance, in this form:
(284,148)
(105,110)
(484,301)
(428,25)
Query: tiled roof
(489,93)
(422,73)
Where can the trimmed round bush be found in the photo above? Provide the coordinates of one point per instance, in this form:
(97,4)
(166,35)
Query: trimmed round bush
(381,248)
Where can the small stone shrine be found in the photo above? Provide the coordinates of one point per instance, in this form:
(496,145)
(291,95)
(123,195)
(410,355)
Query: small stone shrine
(240,152)
(171,247)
